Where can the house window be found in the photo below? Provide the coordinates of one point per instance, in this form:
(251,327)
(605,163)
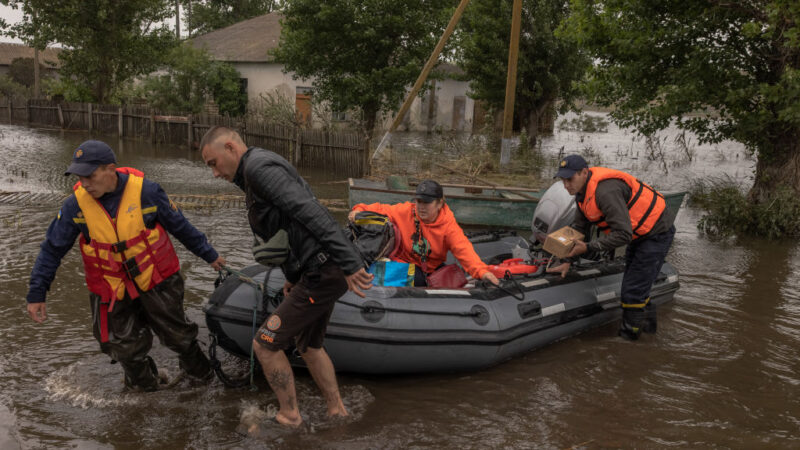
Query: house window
(339,116)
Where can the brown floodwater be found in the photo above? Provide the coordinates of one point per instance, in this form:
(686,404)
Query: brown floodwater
(722,371)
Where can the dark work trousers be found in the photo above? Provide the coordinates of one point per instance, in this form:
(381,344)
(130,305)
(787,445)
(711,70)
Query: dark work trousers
(643,260)
(131,325)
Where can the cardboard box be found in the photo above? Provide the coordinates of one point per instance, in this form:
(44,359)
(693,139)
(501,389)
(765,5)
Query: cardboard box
(560,242)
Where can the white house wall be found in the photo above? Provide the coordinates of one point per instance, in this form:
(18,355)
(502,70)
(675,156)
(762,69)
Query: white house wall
(266,77)
(446,92)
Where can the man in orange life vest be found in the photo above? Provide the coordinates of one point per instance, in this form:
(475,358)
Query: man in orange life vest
(131,268)
(630,213)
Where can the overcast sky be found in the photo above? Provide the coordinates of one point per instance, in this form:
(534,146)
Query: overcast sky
(12,16)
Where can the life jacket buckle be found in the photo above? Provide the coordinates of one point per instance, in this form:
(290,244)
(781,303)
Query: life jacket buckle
(119,247)
(131,268)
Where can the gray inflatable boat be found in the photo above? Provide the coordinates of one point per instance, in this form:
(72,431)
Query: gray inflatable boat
(415,330)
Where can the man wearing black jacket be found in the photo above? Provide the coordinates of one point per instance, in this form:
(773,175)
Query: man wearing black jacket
(630,213)
(322,264)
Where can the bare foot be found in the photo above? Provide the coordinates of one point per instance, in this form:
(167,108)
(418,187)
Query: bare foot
(293,422)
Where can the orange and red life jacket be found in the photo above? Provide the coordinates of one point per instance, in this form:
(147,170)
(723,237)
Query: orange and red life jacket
(645,206)
(123,254)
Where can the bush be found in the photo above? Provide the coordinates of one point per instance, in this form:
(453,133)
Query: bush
(192,77)
(728,212)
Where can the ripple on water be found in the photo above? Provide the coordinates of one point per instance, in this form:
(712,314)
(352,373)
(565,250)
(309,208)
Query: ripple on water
(76,387)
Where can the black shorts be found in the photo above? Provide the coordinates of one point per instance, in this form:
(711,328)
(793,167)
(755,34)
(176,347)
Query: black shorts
(302,318)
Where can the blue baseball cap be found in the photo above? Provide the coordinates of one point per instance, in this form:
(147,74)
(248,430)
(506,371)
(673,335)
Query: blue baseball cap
(88,156)
(570,165)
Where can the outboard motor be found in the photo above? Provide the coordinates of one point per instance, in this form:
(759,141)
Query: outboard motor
(556,209)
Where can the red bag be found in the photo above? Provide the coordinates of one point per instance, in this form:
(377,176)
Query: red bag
(447,276)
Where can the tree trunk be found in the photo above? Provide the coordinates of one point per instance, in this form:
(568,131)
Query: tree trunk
(370,113)
(36,74)
(781,169)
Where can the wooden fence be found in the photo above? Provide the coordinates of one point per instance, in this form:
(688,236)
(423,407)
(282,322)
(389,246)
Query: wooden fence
(340,152)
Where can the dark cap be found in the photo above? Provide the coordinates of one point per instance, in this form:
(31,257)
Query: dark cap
(88,156)
(570,165)
(428,191)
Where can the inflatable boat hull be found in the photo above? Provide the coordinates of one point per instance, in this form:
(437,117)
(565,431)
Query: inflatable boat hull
(415,330)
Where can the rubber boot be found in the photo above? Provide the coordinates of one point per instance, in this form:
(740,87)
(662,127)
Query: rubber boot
(632,323)
(650,324)
(141,375)
(195,363)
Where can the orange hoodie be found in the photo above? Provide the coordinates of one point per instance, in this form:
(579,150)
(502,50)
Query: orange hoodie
(443,234)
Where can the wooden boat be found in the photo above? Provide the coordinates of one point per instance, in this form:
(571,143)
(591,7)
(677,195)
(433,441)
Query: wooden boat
(476,205)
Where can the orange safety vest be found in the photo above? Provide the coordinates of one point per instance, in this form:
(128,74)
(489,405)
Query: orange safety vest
(123,254)
(645,206)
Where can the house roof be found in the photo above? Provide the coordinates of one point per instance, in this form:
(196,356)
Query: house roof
(9,52)
(247,41)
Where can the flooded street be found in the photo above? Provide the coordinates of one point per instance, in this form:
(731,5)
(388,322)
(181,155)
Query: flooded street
(722,371)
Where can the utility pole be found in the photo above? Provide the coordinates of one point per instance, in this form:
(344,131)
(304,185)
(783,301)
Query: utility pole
(511,84)
(422,77)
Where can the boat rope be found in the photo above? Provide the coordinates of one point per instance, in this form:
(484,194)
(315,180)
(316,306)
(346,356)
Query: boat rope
(371,308)
(510,279)
(258,288)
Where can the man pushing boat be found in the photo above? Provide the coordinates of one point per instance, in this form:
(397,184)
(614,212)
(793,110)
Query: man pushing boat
(629,212)
(322,264)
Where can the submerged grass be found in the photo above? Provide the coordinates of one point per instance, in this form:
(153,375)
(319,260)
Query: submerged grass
(728,211)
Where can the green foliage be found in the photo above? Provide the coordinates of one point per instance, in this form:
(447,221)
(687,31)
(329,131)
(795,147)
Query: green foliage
(11,89)
(728,211)
(106,43)
(360,54)
(66,89)
(189,79)
(210,15)
(21,71)
(549,64)
(723,70)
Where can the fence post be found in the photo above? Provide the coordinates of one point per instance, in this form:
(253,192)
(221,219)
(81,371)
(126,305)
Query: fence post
(152,125)
(297,146)
(189,125)
(60,115)
(89,106)
(28,110)
(10,114)
(119,122)
(365,161)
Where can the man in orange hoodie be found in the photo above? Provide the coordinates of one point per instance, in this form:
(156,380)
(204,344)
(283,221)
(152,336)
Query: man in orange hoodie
(427,231)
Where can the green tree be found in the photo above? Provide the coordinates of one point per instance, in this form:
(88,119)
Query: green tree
(735,63)
(21,71)
(32,31)
(203,16)
(360,54)
(548,68)
(107,42)
(191,77)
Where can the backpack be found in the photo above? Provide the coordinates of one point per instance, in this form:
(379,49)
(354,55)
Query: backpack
(373,235)
(272,252)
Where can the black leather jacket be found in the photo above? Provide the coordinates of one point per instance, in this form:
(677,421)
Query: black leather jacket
(277,197)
